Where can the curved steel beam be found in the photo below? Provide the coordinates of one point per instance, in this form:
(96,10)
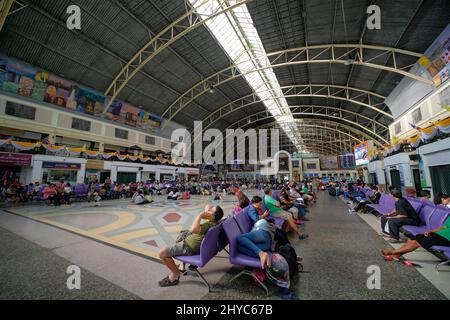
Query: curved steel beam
(263,115)
(226,110)
(290,93)
(187,23)
(324,125)
(335,53)
(315,122)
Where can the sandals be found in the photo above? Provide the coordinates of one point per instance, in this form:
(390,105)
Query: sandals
(167,283)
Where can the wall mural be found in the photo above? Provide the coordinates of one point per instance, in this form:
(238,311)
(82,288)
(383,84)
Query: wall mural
(20,78)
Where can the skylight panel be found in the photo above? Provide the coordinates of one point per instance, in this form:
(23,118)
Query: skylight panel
(236,33)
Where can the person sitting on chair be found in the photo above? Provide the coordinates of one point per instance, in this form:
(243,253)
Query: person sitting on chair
(190,245)
(436,237)
(374,198)
(275,210)
(403,214)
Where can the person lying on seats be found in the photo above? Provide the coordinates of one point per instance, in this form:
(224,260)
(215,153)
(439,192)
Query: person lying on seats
(402,214)
(436,237)
(258,242)
(190,245)
(275,210)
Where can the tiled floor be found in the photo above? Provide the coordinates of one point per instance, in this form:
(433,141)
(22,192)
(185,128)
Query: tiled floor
(139,229)
(127,237)
(425,261)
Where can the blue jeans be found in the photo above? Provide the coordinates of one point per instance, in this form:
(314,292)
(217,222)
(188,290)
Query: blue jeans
(252,243)
(301,210)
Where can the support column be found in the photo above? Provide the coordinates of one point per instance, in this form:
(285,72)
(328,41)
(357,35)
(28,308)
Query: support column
(113,175)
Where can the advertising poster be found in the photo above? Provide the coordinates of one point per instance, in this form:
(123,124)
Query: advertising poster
(40,85)
(423,181)
(362,153)
(21,78)
(122,112)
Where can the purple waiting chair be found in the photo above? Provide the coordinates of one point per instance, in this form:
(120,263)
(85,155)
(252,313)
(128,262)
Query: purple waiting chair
(80,191)
(243,221)
(232,231)
(439,216)
(210,246)
(443,253)
(425,214)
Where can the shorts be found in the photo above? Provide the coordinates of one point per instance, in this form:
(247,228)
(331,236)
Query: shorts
(178,249)
(294,212)
(281,214)
(431,241)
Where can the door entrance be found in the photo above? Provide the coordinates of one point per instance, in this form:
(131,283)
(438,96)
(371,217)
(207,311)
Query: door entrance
(440,179)
(395,179)
(416,177)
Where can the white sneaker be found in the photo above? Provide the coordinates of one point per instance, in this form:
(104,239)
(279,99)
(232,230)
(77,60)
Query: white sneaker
(350,211)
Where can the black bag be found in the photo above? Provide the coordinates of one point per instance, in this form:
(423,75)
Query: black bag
(288,253)
(332,191)
(281,238)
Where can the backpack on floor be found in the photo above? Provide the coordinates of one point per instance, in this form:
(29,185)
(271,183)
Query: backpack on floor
(289,254)
(281,238)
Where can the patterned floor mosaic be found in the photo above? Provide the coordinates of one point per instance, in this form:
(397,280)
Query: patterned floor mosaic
(139,229)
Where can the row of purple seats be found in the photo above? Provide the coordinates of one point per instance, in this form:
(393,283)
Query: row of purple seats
(80,191)
(214,242)
(431,217)
(367,193)
(443,253)
(234,227)
(385,205)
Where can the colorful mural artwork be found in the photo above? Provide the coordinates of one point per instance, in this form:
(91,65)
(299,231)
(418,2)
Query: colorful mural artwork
(437,59)
(20,78)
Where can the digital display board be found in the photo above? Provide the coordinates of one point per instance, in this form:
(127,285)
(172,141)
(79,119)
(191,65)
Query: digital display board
(347,161)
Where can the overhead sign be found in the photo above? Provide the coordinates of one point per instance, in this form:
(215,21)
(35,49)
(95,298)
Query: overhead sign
(15,159)
(61,166)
